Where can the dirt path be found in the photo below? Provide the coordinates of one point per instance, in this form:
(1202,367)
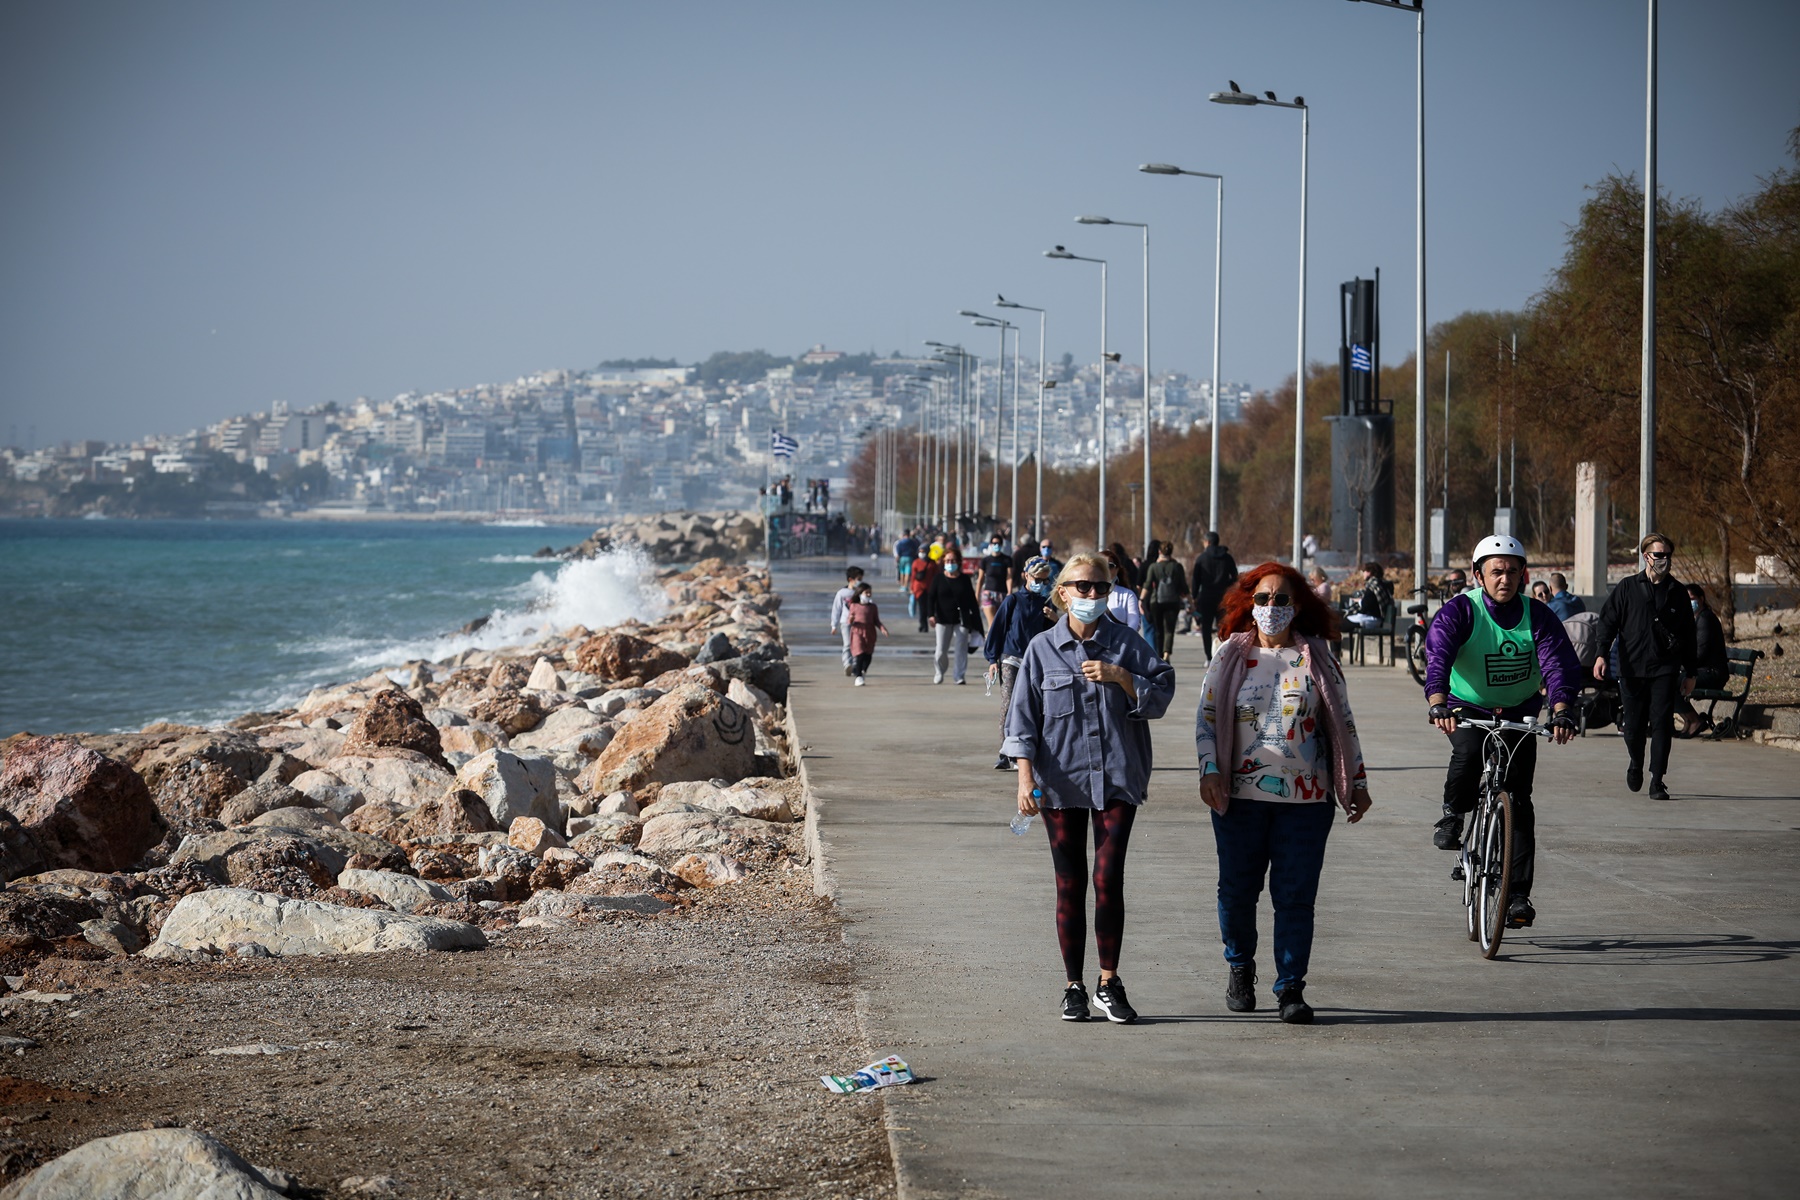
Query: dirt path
(674,1055)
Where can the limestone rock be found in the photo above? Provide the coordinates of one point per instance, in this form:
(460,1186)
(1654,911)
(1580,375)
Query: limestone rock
(398,777)
(512,710)
(738,798)
(267,859)
(567,905)
(701,831)
(543,678)
(145,1164)
(573,728)
(229,916)
(328,791)
(620,700)
(511,786)
(532,836)
(79,808)
(114,937)
(752,698)
(239,753)
(392,720)
(261,797)
(458,810)
(402,893)
(597,834)
(622,803)
(708,869)
(463,742)
(620,655)
(298,818)
(389,822)
(691,733)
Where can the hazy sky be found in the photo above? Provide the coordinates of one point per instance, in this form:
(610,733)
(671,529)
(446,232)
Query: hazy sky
(210,206)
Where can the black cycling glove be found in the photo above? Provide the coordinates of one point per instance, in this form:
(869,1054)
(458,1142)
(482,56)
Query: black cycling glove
(1439,712)
(1563,721)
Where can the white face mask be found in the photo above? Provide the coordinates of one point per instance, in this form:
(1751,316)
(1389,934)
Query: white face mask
(1272,619)
(1087,609)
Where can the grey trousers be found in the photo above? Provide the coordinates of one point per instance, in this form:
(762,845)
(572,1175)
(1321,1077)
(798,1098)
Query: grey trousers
(951,637)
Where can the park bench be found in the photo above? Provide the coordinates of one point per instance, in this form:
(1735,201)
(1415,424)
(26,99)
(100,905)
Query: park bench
(1382,632)
(1740,662)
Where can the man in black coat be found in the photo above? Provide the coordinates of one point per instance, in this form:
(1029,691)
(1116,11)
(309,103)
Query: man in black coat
(1650,616)
(1214,573)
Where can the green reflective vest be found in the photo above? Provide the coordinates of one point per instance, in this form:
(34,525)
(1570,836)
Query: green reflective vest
(1496,668)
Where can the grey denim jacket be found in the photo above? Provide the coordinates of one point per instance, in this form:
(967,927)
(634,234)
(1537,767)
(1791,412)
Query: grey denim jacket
(1088,742)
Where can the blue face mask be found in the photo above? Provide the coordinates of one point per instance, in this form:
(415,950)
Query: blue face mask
(1038,589)
(1087,609)
(1694,604)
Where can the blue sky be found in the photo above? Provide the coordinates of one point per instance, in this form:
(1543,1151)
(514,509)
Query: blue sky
(212,206)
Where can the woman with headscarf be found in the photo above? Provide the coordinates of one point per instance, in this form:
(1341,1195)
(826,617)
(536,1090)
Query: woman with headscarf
(1277,746)
(1077,729)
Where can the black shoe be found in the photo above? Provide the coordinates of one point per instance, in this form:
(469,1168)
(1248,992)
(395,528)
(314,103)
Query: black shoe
(1003,763)
(1110,996)
(1240,990)
(1294,1008)
(1634,777)
(1519,913)
(1657,790)
(1075,1003)
(1448,835)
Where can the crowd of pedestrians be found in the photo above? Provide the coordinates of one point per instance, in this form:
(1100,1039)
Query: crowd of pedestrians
(1080,653)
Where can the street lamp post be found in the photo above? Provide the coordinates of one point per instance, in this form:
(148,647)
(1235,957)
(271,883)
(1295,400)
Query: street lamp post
(1647,366)
(1000,406)
(1417,8)
(1212,507)
(1238,96)
(1037,520)
(1061,253)
(955,496)
(1139,225)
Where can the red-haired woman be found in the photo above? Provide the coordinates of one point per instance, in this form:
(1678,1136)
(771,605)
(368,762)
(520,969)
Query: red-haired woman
(1277,745)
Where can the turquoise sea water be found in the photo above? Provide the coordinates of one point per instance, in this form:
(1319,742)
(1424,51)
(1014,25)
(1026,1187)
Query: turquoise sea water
(108,625)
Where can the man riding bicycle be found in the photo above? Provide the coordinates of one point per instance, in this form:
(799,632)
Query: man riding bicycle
(1495,650)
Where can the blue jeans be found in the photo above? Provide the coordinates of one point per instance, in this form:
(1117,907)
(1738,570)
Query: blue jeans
(1285,842)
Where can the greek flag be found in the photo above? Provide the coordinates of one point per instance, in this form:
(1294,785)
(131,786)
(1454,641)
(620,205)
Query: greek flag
(1360,360)
(781,445)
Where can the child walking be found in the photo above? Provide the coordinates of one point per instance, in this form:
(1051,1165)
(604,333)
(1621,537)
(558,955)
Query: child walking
(863,619)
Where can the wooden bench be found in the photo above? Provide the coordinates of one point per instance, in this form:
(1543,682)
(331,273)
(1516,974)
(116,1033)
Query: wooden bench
(1740,662)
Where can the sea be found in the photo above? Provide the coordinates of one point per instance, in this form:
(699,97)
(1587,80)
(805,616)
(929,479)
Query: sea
(106,626)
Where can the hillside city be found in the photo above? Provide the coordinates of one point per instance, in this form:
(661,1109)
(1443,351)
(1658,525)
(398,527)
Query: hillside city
(630,436)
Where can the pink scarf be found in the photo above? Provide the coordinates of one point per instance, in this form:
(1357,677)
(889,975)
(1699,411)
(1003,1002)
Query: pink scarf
(1321,664)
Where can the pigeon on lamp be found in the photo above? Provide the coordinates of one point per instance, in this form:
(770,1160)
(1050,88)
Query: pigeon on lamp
(1234,86)
(1300,100)
(1271,95)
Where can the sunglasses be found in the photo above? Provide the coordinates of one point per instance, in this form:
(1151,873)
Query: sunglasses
(1653,556)
(1089,587)
(1278,599)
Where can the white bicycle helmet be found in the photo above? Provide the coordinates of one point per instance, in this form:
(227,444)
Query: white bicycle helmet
(1499,543)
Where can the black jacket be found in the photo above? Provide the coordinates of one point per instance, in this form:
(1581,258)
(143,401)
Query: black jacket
(1709,643)
(1654,625)
(1214,572)
(952,602)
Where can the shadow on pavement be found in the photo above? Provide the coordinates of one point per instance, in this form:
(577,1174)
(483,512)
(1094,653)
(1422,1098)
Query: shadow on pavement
(1704,950)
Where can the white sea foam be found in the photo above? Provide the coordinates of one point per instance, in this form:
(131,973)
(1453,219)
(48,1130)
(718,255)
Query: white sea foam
(516,558)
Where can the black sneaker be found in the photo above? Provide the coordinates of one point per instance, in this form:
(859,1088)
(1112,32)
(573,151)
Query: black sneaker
(1075,1003)
(1110,996)
(1240,990)
(1294,1008)
(1634,777)
(1448,832)
(1657,790)
(1519,913)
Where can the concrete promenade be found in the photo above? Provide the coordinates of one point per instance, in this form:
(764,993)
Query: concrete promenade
(1642,1040)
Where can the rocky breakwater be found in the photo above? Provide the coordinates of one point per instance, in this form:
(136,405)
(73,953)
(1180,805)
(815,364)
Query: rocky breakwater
(680,537)
(590,775)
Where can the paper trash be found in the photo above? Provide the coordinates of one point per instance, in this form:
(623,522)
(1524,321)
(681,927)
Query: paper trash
(886,1073)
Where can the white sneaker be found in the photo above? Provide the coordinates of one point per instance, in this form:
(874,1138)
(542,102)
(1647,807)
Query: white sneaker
(860,681)
(937,679)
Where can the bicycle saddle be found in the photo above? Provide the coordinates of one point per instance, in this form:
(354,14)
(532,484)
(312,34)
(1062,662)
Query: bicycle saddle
(1417,610)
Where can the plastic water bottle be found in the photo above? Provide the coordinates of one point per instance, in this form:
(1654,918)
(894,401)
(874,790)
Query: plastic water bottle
(1021,822)
(990,686)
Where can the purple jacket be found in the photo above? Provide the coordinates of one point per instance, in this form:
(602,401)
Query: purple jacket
(1556,657)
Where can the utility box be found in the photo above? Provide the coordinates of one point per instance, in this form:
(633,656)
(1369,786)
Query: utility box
(1362,431)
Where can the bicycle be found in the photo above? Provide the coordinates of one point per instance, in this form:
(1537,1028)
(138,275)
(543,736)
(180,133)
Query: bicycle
(1485,865)
(1415,633)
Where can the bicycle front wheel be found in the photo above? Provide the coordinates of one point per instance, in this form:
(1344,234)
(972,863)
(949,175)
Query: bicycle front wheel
(1496,873)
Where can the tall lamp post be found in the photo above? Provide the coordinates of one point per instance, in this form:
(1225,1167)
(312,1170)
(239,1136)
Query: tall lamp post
(1139,225)
(1238,96)
(1212,508)
(1037,519)
(955,353)
(1417,8)
(1062,253)
(1647,367)
(1000,406)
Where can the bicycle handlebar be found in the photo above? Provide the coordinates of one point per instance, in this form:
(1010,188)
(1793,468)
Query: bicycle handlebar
(1535,727)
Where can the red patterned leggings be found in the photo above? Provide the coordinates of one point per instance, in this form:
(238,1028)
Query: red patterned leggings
(1068,828)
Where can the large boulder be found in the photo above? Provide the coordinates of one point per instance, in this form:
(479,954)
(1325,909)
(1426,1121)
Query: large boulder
(260,798)
(238,752)
(458,810)
(553,906)
(574,729)
(402,893)
(738,799)
(691,733)
(198,788)
(685,831)
(402,777)
(263,858)
(218,919)
(621,655)
(328,791)
(511,710)
(393,720)
(147,1163)
(79,808)
(512,786)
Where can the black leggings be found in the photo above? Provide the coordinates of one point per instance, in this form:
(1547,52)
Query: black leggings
(1067,828)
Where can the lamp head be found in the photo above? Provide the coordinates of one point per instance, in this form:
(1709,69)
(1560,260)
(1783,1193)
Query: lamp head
(1234,96)
(966,313)
(1160,169)
(1094,220)
(1059,252)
